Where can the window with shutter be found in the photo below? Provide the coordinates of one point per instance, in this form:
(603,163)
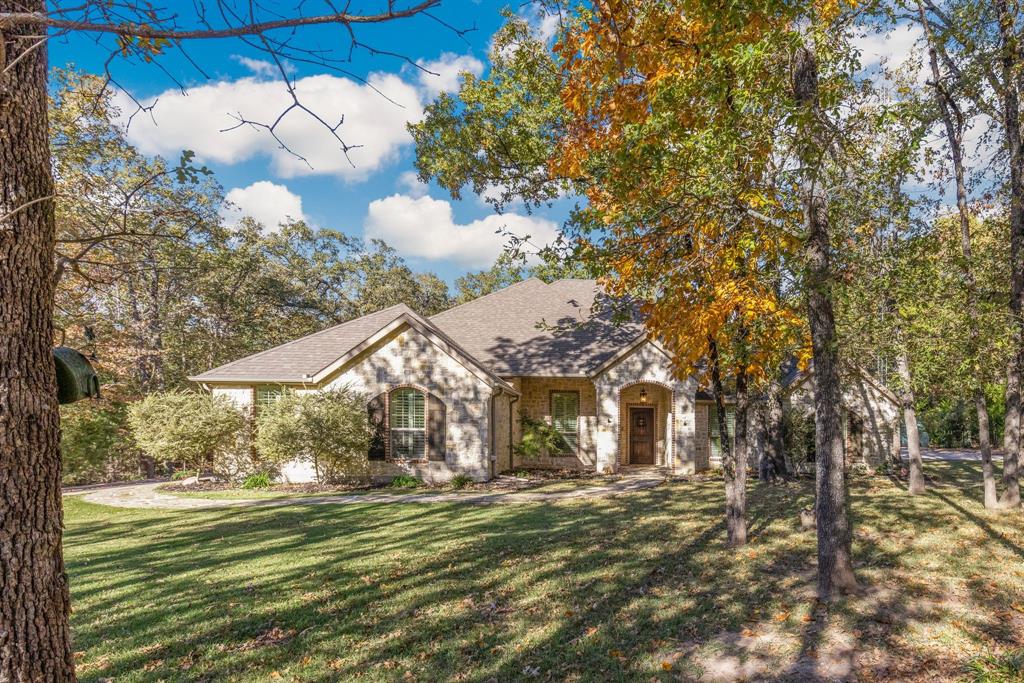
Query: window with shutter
(408,424)
(565,413)
(268,395)
(730,425)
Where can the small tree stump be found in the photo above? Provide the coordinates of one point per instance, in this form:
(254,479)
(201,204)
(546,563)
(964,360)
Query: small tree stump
(807,521)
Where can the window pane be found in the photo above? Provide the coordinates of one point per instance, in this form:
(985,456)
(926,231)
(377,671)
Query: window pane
(408,444)
(565,411)
(408,409)
(730,425)
(267,395)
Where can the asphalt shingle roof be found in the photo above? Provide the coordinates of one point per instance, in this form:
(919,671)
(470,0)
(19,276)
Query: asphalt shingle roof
(296,360)
(529,328)
(535,328)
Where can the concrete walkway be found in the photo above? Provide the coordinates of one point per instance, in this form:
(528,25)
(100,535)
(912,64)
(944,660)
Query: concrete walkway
(146,496)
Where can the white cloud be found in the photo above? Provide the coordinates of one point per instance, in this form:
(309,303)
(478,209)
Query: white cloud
(892,49)
(546,25)
(269,203)
(448,67)
(410,182)
(260,67)
(425,228)
(197,120)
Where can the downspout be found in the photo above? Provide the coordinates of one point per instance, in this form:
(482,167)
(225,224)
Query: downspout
(493,438)
(511,436)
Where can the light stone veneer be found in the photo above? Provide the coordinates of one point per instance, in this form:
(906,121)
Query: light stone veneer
(646,365)
(879,411)
(407,358)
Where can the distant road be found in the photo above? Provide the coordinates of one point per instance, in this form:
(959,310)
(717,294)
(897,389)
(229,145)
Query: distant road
(952,454)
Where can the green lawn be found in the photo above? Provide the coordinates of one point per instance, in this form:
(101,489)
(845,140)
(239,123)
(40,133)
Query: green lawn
(638,587)
(264,494)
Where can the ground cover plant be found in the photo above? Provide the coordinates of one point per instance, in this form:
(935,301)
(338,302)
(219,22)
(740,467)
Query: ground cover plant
(636,587)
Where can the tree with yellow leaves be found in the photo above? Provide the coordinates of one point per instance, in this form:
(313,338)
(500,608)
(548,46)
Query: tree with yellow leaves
(702,139)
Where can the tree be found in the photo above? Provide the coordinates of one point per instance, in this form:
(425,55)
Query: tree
(34,602)
(950,113)
(195,429)
(328,429)
(978,44)
(693,269)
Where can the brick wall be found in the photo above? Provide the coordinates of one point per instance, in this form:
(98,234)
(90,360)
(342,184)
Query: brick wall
(536,403)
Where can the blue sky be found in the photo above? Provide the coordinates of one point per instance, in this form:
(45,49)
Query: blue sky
(378,196)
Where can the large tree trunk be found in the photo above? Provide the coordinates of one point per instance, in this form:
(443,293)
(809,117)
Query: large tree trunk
(835,563)
(35,643)
(1011,123)
(735,473)
(915,485)
(954,124)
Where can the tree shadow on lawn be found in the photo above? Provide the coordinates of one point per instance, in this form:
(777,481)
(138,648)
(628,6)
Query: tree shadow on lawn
(628,588)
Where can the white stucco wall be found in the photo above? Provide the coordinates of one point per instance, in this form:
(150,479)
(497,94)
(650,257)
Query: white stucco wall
(646,364)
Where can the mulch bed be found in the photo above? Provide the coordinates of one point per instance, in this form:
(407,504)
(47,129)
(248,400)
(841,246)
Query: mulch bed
(507,481)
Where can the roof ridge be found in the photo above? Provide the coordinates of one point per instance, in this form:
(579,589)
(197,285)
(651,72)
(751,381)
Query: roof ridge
(304,338)
(484,296)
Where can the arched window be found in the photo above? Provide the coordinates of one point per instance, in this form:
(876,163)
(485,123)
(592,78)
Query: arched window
(408,423)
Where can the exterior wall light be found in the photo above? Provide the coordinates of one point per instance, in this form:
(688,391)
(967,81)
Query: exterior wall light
(643,396)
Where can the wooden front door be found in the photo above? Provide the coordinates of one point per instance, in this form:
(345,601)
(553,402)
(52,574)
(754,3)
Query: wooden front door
(641,436)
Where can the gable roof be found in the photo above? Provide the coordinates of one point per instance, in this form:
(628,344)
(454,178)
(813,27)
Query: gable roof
(793,377)
(313,358)
(533,328)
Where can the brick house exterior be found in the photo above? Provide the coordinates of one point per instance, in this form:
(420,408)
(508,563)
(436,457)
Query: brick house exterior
(449,394)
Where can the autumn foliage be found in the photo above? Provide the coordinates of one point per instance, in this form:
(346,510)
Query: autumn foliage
(671,110)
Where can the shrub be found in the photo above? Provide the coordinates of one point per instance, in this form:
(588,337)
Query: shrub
(95,443)
(330,429)
(197,430)
(539,438)
(798,428)
(181,474)
(460,481)
(405,481)
(260,480)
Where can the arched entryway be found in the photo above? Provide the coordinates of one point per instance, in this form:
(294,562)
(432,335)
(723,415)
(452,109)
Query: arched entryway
(647,429)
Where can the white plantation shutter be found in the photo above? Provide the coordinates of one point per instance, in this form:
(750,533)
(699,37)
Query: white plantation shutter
(565,413)
(408,421)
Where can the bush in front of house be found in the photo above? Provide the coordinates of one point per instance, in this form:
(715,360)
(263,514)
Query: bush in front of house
(798,440)
(329,430)
(460,481)
(539,438)
(198,430)
(260,480)
(95,444)
(405,481)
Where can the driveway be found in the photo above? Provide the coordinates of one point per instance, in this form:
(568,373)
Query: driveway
(146,495)
(952,454)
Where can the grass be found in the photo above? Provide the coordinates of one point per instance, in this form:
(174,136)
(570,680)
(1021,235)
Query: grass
(262,494)
(638,587)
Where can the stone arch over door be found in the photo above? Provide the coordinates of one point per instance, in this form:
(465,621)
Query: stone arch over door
(647,364)
(660,400)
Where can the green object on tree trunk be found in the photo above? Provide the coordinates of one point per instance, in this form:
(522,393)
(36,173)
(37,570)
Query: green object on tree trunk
(76,378)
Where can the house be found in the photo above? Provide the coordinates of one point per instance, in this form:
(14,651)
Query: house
(445,394)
